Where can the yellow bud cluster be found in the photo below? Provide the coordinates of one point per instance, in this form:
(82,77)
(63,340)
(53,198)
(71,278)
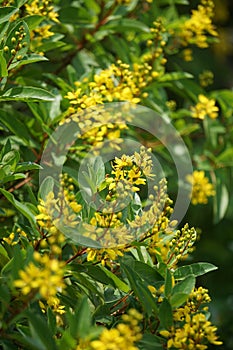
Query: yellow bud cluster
(206,78)
(181,244)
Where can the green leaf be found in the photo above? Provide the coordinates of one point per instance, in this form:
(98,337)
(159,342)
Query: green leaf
(146,272)
(117,281)
(27,93)
(168,284)
(165,314)
(3,65)
(226,157)
(81,328)
(175,76)
(150,342)
(46,187)
(141,290)
(99,274)
(12,178)
(41,331)
(221,201)
(181,291)
(6,13)
(126,24)
(32,58)
(19,206)
(196,269)
(11,120)
(27,166)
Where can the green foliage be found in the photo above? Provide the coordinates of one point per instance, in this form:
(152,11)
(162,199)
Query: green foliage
(75,267)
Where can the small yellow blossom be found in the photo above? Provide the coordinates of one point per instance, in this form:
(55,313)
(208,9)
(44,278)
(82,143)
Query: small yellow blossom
(193,334)
(205,107)
(202,188)
(123,337)
(197,28)
(43,276)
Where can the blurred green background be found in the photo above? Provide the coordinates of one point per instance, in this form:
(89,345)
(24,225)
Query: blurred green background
(216,243)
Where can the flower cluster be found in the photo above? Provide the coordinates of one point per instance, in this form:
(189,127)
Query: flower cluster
(119,82)
(53,211)
(42,8)
(191,329)
(194,333)
(205,107)
(123,336)
(43,276)
(42,32)
(196,29)
(201,187)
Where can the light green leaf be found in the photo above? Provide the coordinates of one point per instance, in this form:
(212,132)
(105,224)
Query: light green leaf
(13,178)
(181,291)
(174,76)
(27,93)
(196,269)
(126,24)
(3,65)
(27,166)
(117,281)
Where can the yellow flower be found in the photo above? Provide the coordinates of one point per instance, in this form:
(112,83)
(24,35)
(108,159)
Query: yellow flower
(123,337)
(199,25)
(205,107)
(193,334)
(202,189)
(44,276)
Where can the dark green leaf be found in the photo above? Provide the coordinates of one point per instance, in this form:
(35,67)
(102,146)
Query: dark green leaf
(19,206)
(168,284)
(165,314)
(150,342)
(6,13)
(41,331)
(12,122)
(141,290)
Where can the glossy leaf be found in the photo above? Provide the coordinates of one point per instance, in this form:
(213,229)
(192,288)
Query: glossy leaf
(27,93)
(196,269)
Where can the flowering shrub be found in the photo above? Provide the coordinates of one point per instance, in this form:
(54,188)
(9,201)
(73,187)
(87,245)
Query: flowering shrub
(101,127)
